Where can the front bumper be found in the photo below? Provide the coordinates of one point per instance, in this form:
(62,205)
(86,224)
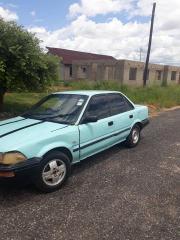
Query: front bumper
(21,172)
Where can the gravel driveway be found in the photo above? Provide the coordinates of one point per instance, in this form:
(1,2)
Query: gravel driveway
(130,194)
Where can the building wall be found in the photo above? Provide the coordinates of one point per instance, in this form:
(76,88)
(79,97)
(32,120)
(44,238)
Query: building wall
(98,70)
(123,71)
(155,73)
(137,77)
(170,78)
(66,71)
(94,70)
(61,71)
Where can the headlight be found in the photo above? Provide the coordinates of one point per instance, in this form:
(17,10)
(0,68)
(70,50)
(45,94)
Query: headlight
(12,158)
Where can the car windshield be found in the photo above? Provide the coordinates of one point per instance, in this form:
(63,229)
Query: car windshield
(62,108)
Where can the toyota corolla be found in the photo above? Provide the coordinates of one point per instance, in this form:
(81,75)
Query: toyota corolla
(63,129)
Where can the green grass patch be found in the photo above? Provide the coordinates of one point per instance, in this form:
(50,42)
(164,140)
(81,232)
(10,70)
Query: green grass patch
(160,97)
(16,103)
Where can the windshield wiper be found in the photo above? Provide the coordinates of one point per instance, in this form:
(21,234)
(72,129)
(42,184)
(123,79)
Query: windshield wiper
(43,116)
(59,121)
(56,116)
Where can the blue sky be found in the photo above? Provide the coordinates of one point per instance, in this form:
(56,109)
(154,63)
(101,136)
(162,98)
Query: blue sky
(49,13)
(53,14)
(112,27)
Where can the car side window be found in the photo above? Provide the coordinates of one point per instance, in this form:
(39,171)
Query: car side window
(119,104)
(98,106)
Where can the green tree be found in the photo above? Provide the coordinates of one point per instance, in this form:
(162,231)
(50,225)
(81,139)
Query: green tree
(23,64)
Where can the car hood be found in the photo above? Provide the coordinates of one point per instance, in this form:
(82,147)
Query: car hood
(17,131)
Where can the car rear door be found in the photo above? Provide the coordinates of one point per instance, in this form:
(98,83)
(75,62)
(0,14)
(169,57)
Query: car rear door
(122,112)
(96,136)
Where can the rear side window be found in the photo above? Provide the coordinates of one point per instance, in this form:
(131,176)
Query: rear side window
(119,104)
(98,106)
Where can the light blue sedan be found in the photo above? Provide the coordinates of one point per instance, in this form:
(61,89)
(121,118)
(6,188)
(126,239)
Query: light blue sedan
(63,129)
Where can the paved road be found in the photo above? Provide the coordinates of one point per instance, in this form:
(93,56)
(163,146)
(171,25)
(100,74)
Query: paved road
(118,194)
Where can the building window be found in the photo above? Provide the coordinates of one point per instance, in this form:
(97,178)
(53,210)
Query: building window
(132,73)
(70,71)
(148,74)
(173,75)
(158,74)
(84,69)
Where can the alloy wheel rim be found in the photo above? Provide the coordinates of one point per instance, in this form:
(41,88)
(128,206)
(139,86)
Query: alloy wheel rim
(54,172)
(135,136)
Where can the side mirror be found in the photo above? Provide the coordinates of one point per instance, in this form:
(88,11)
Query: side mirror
(90,119)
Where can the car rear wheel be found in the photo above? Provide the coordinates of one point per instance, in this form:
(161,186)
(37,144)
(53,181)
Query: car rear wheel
(134,137)
(54,171)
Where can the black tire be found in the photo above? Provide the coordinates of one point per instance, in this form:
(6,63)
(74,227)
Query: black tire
(131,141)
(48,163)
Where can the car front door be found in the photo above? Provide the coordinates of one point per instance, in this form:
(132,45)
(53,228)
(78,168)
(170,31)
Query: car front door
(96,136)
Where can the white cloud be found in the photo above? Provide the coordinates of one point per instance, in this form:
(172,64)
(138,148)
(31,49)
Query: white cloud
(33,13)
(122,40)
(38,30)
(95,7)
(8,15)
(113,38)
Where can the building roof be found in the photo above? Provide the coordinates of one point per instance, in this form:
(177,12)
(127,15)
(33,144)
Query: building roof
(69,56)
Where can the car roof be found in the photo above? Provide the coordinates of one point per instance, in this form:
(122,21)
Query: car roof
(87,92)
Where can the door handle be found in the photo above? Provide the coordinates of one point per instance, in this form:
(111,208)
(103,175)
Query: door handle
(110,123)
(130,116)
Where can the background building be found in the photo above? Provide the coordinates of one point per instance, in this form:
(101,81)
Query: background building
(67,57)
(76,65)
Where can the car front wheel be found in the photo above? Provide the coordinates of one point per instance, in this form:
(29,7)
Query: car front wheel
(54,171)
(134,137)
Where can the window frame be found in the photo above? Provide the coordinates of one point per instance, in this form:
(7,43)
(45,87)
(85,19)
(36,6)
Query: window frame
(70,71)
(134,71)
(125,99)
(159,75)
(84,69)
(148,73)
(105,94)
(88,104)
(173,75)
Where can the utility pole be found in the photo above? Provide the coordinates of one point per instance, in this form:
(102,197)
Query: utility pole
(149,46)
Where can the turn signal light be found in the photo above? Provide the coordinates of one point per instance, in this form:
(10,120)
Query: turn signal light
(7,174)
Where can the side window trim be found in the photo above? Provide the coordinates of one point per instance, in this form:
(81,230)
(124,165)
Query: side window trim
(125,100)
(130,104)
(89,102)
(83,111)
